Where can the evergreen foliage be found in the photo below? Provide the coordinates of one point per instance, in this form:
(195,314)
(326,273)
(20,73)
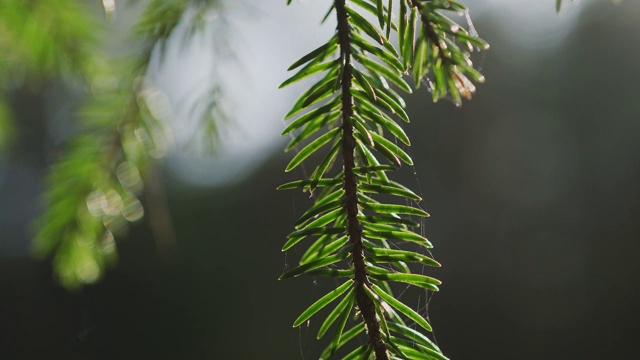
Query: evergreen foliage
(95,187)
(353,115)
(40,39)
(350,119)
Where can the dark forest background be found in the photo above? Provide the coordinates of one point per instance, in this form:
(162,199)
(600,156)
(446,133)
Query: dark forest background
(533,188)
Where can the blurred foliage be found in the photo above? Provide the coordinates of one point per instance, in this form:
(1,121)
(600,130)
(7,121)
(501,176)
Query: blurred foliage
(559,4)
(361,235)
(6,127)
(94,187)
(40,39)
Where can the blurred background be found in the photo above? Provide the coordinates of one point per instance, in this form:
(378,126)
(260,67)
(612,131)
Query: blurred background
(533,189)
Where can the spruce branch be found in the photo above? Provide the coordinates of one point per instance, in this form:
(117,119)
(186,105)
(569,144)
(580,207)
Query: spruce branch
(353,107)
(95,188)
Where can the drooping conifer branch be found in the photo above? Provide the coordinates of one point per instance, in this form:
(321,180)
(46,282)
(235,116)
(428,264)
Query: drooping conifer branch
(353,111)
(354,228)
(94,188)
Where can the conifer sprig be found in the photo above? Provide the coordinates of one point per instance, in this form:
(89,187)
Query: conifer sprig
(355,111)
(94,189)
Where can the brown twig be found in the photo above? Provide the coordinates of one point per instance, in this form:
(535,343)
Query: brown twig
(365,304)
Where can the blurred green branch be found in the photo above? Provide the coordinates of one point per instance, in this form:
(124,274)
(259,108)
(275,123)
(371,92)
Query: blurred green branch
(94,188)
